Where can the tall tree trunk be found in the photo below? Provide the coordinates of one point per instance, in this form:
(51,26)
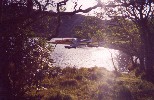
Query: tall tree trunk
(1,10)
(149,55)
(147,45)
(4,63)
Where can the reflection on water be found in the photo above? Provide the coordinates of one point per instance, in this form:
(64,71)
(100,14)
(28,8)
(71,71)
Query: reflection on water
(84,57)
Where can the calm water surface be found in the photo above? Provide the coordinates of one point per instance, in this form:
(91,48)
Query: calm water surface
(84,57)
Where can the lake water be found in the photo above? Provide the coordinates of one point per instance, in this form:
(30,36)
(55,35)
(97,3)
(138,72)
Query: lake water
(84,57)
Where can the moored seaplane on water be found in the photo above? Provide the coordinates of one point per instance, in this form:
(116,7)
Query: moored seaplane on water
(77,42)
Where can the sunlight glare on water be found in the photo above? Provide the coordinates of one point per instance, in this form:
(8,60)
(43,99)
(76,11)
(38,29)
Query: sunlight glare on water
(84,57)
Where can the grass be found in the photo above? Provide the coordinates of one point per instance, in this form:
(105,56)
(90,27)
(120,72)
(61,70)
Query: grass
(93,84)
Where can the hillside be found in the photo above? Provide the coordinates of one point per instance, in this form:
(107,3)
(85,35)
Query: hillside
(68,23)
(47,25)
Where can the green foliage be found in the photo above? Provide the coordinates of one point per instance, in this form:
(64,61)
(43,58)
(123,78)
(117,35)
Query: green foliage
(70,82)
(123,93)
(44,27)
(24,57)
(89,28)
(78,84)
(117,33)
(60,96)
(124,35)
(141,14)
(32,67)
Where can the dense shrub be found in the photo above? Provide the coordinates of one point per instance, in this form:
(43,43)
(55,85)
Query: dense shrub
(61,96)
(69,82)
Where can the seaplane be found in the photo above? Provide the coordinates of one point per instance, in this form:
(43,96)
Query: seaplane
(77,42)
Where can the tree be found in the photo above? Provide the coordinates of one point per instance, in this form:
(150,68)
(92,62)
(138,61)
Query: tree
(19,60)
(125,36)
(141,13)
(118,33)
(91,27)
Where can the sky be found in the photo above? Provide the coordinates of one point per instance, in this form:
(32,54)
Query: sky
(85,4)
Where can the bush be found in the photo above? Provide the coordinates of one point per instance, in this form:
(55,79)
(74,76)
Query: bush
(69,82)
(61,96)
(95,76)
(124,93)
(79,77)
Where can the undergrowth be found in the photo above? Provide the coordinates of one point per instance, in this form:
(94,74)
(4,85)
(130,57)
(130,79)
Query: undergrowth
(91,84)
